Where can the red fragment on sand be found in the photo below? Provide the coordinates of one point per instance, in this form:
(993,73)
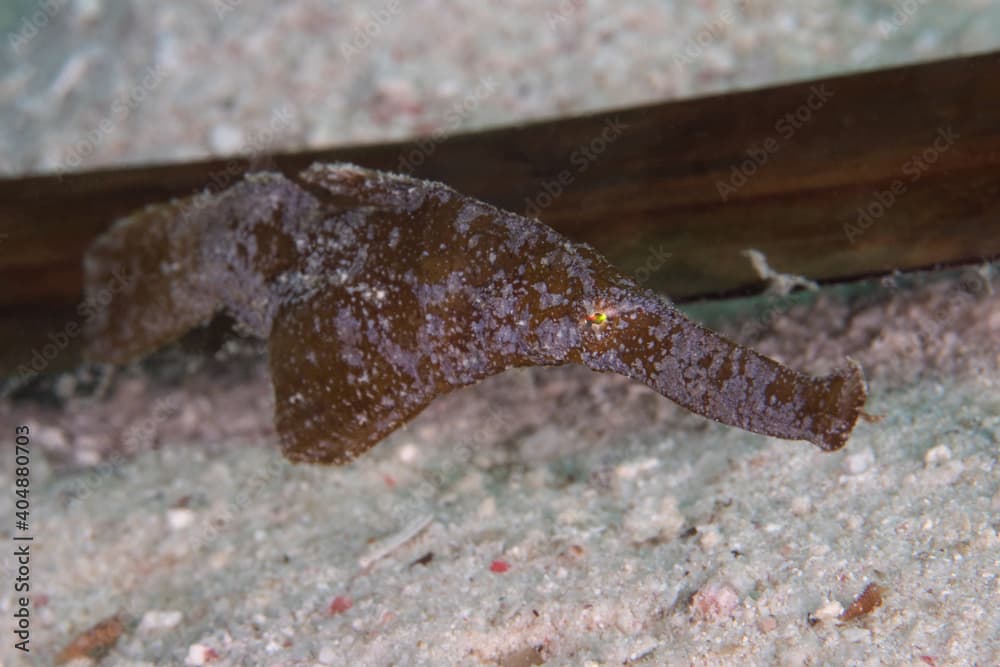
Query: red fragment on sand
(499,566)
(869,600)
(340,604)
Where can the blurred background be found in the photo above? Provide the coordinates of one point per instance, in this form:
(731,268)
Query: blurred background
(86,83)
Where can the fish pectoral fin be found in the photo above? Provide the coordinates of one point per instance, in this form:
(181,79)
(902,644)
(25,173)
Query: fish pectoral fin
(334,400)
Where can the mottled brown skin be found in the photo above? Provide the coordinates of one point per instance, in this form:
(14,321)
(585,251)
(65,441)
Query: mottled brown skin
(378,293)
